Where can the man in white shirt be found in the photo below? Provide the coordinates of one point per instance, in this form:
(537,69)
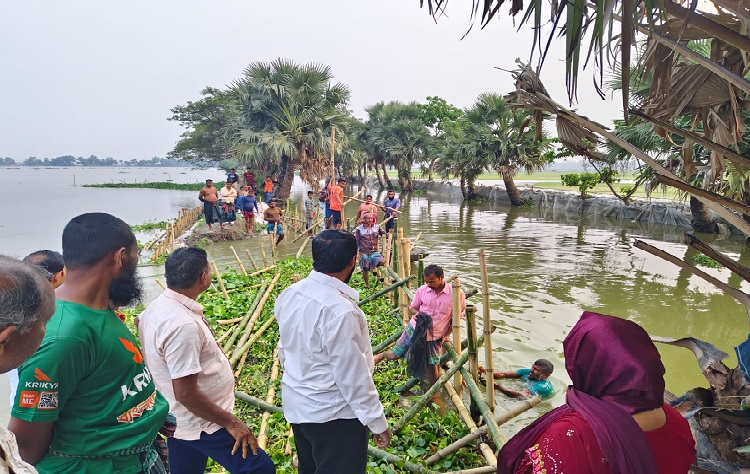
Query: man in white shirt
(327,390)
(190,370)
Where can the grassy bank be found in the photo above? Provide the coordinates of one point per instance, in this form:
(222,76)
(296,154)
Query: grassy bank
(422,436)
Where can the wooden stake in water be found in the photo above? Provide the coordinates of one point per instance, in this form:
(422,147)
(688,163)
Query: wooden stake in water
(487,330)
(242,267)
(263,252)
(456,313)
(471,337)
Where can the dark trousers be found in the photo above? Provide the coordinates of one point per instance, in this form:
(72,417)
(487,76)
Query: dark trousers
(390,225)
(336,447)
(190,457)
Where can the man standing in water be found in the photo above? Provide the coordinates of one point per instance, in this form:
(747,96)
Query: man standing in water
(435,299)
(192,372)
(86,401)
(209,195)
(327,390)
(368,238)
(392,204)
(534,378)
(273,216)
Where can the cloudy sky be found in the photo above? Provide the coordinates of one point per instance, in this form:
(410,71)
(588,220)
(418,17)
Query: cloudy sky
(90,77)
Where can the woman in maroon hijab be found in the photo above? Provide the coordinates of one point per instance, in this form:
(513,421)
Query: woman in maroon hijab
(615,420)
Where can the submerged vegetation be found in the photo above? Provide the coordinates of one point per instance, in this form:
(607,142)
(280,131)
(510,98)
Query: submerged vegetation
(155,185)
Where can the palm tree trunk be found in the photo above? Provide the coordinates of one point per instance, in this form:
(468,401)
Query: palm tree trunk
(287,167)
(429,170)
(385,175)
(380,177)
(702,220)
(463,186)
(471,188)
(510,187)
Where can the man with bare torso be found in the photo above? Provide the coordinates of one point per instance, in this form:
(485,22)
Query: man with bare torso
(209,195)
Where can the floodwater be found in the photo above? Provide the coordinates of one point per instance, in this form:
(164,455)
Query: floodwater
(545,268)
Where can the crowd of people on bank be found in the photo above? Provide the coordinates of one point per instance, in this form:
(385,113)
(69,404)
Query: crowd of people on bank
(92,398)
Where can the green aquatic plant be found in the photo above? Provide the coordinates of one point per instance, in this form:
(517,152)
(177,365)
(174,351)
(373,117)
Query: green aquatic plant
(149,226)
(155,185)
(705,261)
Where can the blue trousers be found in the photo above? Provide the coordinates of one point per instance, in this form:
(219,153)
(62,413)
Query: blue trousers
(190,457)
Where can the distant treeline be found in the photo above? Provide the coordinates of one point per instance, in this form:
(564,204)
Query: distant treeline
(70,160)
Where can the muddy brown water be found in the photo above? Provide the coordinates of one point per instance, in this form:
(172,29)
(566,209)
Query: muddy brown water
(545,268)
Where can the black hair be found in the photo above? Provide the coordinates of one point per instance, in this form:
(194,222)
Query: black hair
(545,365)
(184,266)
(22,294)
(418,355)
(332,250)
(433,270)
(368,196)
(50,261)
(390,190)
(310,192)
(88,238)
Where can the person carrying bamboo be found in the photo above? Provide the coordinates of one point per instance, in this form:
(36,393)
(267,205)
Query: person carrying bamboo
(367,207)
(191,371)
(433,299)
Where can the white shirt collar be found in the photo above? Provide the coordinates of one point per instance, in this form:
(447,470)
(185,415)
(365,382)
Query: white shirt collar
(189,303)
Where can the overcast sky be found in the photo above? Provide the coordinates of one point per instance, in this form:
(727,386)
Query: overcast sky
(91,77)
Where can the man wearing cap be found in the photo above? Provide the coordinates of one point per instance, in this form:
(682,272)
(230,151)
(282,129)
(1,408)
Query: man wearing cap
(209,195)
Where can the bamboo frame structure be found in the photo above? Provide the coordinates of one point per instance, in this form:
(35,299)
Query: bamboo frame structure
(302,248)
(252,260)
(240,327)
(484,448)
(489,361)
(255,316)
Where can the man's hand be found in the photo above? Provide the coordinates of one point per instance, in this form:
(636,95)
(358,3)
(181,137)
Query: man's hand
(382,440)
(243,437)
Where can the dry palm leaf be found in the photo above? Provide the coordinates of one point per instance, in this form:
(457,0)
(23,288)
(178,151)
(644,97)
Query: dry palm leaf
(688,163)
(577,139)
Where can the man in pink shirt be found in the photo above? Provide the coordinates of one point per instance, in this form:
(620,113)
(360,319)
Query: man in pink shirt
(434,299)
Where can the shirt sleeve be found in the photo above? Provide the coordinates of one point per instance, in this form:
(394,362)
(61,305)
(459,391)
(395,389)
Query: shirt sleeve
(417,301)
(181,348)
(48,378)
(347,351)
(521,373)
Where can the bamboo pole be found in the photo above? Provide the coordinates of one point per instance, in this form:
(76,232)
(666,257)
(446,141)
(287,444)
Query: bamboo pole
(263,438)
(252,260)
(263,251)
(394,277)
(486,451)
(301,248)
(243,350)
(322,218)
(224,336)
(478,398)
(383,345)
(273,241)
(406,252)
(420,271)
(396,460)
(429,394)
(471,337)
(288,448)
(242,267)
(160,284)
(218,278)
(384,291)
(333,148)
(256,402)
(229,321)
(255,316)
(489,361)
(475,470)
(240,327)
(262,270)
(500,419)
(456,321)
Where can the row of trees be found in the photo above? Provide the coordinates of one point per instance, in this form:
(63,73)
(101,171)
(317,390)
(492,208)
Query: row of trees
(278,119)
(70,160)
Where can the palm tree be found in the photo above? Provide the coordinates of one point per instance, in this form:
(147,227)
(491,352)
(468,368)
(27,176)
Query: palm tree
(504,139)
(396,135)
(286,111)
